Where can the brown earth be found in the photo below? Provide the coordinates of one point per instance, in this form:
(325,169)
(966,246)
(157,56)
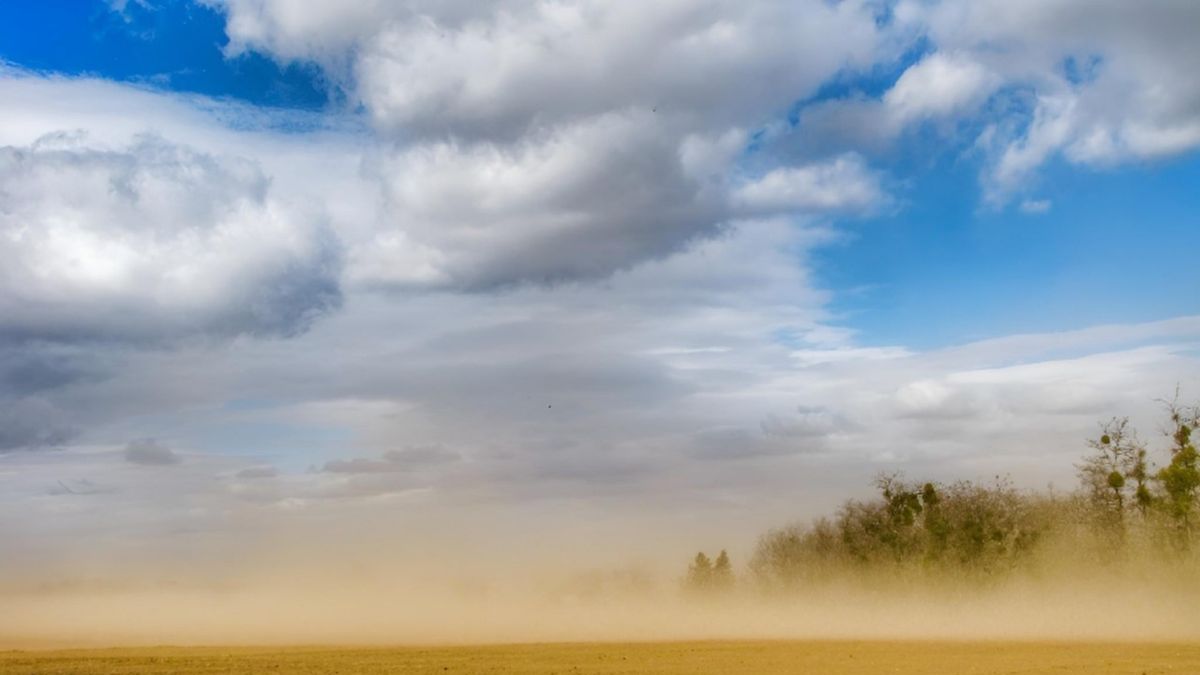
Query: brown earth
(818,657)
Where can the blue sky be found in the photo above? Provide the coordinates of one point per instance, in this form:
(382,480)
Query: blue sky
(1116,246)
(937,268)
(173,45)
(705,263)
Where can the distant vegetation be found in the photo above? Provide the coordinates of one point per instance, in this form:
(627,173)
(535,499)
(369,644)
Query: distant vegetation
(1126,508)
(705,575)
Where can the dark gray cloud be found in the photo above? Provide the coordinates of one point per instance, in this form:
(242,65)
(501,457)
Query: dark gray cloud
(33,423)
(25,371)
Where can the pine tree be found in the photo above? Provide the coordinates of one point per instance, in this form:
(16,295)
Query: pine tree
(700,573)
(722,573)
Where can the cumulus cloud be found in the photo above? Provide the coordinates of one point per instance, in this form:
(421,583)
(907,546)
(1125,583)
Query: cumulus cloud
(579,202)
(1020,84)
(540,142)
(495,69)
(152,240)
(1106,82)
(843,184)
(634,156)
(937,85)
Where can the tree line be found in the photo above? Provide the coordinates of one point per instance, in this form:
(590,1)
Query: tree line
(1125,504)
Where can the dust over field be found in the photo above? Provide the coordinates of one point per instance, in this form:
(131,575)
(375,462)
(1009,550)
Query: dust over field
(1097,611)
(826,657)
(916,577)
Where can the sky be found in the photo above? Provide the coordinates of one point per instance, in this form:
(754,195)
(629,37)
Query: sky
(483,275)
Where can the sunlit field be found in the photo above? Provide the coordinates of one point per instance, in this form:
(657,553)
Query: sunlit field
(826,657)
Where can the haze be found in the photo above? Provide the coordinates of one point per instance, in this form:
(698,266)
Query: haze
(474,321)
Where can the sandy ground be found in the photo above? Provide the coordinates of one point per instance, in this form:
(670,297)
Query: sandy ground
(824,657)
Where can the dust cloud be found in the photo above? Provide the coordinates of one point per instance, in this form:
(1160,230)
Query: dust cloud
(323,606)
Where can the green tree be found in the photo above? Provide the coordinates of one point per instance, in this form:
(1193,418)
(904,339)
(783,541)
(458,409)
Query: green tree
(937,529)
(1180,480)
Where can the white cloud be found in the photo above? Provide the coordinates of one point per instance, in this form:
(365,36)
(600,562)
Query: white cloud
(497,69)
(842,184)
(1093,83)
(628,153)
(1101,82)
(1035,206)
(535,142)
(1111,81)
(152,240)
(937,85)
(813,357)
(578,202)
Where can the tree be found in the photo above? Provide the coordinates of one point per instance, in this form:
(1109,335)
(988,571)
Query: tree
(788,557)
(700,573)
(1180,480)
(1140,473)
(722,573)
(937,529)
(1106,474)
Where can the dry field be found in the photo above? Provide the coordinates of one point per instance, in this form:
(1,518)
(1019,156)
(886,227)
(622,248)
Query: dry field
(818,657)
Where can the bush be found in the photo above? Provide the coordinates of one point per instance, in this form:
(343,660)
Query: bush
(962,526)
(978,530)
